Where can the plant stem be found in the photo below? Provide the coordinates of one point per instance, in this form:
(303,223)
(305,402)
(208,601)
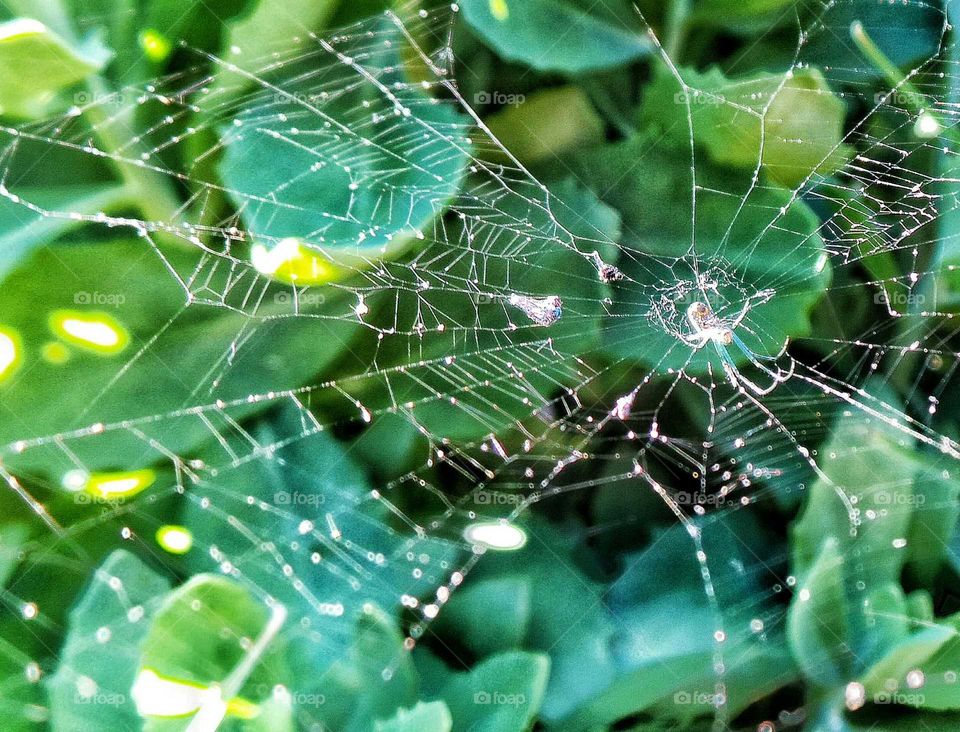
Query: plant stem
(149,188)
(884,65)
(676,28)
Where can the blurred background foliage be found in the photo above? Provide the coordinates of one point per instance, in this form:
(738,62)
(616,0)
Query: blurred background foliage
(601,620)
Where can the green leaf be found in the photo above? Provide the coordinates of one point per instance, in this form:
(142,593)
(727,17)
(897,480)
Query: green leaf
(269,25)
(739,15)
(490,615)
(849,610)
(818,620)
(311,481)
(101,654)
(913,34)
(753,236)
(791,123)
(547,124)
(376,207)
(210,631)
(201,25)
(560,35)
(22,229)
(910,655)
(935,653)
(392,446)
(933,521)
(371,678)
(36,63)
(424,717)
(659,657)
(12,538)
(139,293)
(866,463)
(499,694)
(645,637)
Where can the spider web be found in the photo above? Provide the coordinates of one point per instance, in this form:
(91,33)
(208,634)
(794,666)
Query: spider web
(454,313)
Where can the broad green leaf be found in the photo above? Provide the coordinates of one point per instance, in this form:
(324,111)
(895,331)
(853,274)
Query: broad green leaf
(791,123)
(91,688)
(36,63)
(924,673)
(933,521)
(866,465)
(825,712)
(500,694)
(211,642)
(560,35)
(663,646)
(392,446)
(371,679)
(312,482)
(645,637)
(162,357)
(424,717)
(345,211)
(313,495)
(755,238)
(547,124)
(23,699)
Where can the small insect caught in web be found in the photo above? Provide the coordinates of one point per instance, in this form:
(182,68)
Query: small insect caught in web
(541,310)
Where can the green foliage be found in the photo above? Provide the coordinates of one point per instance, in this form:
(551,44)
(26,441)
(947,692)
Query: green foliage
(560,35)
(792,126)
(37,63)
(653,198)
(655,159)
